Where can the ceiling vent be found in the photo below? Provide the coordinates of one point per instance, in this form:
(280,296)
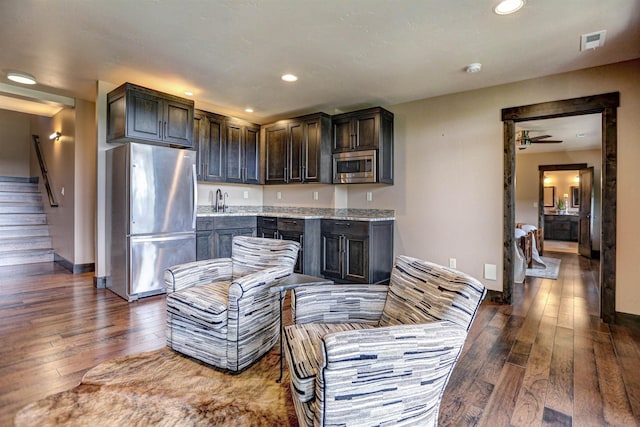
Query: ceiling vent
(592,40)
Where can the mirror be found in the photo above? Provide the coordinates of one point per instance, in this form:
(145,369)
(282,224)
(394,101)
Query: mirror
(575,197)
(549,197)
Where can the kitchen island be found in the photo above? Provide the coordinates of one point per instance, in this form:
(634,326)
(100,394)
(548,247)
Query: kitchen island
(344,245)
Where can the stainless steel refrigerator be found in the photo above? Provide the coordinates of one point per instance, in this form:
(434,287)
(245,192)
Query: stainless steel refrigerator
(151,216)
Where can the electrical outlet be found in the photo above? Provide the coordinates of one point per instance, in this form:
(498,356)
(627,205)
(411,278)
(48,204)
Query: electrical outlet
(490,272)
(279,195)
(246,194)
(452,263)
(315,195)
(369,196)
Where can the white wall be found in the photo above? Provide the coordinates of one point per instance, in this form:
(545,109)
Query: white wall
(15,142)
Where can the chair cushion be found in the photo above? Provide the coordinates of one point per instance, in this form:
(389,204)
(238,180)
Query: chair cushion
(420,291)
(252,254)
(303,353)
(204,304)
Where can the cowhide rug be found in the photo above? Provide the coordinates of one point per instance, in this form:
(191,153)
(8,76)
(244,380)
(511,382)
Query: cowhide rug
(164,388)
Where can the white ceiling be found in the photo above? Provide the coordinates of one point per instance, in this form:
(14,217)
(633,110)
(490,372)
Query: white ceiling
(347,53)
(576,133)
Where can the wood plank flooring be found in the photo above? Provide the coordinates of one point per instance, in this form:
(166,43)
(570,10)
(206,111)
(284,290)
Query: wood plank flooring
(545,360)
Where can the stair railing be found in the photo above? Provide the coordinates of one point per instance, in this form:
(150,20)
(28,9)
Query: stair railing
(45,172)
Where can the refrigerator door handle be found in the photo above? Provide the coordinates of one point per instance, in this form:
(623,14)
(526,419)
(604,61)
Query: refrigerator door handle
(156,238)
(194,174)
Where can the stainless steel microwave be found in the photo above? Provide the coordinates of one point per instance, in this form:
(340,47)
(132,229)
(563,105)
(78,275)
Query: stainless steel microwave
(355,167)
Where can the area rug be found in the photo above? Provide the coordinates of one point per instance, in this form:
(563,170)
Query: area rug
(164,388)
(551,272)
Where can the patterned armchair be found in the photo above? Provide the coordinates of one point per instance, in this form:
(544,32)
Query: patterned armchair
(377,354)
(220,311)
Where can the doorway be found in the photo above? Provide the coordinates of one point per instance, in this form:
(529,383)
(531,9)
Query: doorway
(606,104)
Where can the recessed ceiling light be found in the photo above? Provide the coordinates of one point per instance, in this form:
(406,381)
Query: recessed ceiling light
(289,78)
(248,110)
(20,77)
(188,93)
(473,68)
(508,6)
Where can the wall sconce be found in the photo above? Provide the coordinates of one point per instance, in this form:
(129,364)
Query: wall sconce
(547,180)
(56,135)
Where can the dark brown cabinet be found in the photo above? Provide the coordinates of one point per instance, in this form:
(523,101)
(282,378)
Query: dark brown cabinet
(298,150)
(243,152)
(561,227)
(135,113)
(370,129)
(356,251)
(210,145)
(214,235)
(304,231)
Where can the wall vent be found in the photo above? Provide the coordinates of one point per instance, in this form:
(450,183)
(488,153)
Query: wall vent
(592,40)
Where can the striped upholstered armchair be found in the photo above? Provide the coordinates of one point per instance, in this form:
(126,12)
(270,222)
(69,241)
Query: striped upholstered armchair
(220,311)
(376,354)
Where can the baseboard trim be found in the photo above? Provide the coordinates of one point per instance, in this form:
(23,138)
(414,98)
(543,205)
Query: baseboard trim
(100,282)
(629,320)
(73,268)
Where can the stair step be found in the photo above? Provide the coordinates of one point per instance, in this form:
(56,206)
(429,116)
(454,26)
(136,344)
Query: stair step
(12,197)
(23,219)
(21,208)
(18,187)
(26,257)
(13,245)
(23,231)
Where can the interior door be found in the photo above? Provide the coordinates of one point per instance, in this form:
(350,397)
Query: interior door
(584,212)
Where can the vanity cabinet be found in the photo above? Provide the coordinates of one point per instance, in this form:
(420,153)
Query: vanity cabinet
(243,152)
(214,235)
(210,145)
(135,113)
(561,227)
(356,251)
(304,231)
(298,150)
(370,129)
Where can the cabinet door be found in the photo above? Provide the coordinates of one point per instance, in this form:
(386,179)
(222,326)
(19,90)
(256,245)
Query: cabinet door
(198,146)
(295,152)
(204,245)
(144,116)
(295,236)
(366,128)
(212,149)
(234,152)
(177,123)
(356,259)
(276,155)
(331,256)
(342,135)
(251,148)
(223,239)
(312,151)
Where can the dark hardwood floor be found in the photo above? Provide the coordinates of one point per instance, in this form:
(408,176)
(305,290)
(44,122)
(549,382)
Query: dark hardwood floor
(546,360)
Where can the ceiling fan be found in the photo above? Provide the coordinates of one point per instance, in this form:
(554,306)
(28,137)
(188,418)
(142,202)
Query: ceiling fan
(523,139)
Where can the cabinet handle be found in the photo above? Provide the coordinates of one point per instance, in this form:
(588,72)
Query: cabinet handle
(275,234)
(160,128)
(164,135)
(301,241)
(302,173)
(286,178)
(343,224)
(289,221)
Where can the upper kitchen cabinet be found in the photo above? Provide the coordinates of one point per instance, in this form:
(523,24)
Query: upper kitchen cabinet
(298,150)
(370,129)
(210,144)
(243,152)
(135,113)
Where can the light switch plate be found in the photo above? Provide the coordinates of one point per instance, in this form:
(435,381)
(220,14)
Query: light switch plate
(315,195)
(452,263)
(490,272)
(279,195)
(369,196)
(246,194)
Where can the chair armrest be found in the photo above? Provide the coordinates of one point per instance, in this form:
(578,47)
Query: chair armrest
(183,276)
(386,371)
(258,281)
(338,303)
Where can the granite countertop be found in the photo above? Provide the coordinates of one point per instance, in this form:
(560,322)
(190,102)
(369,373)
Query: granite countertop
(303,213)
(564,214)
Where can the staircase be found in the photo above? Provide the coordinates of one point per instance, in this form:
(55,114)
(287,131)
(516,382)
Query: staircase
(24,234)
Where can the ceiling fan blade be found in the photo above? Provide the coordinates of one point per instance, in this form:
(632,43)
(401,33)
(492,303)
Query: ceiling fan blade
(536,138)
(545,141)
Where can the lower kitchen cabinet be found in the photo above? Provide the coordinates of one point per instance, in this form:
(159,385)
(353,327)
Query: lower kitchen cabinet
(356,251)
(304,231)
(214,235)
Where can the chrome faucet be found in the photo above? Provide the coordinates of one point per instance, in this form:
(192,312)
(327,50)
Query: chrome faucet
(218,198)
